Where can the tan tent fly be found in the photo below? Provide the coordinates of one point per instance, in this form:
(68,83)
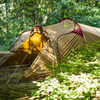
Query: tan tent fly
(44,46)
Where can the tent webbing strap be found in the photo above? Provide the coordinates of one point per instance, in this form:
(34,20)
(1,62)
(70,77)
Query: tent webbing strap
(22,61)
(13,49)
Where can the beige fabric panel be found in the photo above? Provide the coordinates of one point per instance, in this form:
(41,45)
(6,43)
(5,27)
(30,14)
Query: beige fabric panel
(21,39)
(58,29)
(40,66)
(67,41)
(92,34)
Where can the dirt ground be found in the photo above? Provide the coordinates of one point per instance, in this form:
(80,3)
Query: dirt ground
(15,89)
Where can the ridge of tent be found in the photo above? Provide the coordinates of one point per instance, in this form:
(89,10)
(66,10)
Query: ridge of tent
(43,30)
(70,19)
(79,31)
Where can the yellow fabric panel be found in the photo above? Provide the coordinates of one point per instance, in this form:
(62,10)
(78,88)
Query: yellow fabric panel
(36,42)
(40,66)
(67,41)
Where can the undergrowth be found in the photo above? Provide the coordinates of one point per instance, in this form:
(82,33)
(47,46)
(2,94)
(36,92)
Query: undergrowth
(77,77)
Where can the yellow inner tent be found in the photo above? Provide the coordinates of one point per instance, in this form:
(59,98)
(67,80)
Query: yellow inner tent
(28,50)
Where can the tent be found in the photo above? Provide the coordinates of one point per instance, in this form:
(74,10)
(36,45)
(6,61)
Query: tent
(44,46)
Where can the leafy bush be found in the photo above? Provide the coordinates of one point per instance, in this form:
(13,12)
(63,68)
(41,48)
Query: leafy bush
(68,87)
(76,78)
(86,15)
(22,15)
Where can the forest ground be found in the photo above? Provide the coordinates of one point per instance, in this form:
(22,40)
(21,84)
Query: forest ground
(15,89)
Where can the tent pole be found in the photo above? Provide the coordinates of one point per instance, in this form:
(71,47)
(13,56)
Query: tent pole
(85,40)
(53,66)
(53,48)
(54,54)
(52,58)
(29,50)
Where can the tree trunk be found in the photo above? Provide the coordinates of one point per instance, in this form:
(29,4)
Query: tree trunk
(6,15)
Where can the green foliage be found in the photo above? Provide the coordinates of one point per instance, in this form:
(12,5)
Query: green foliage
(70,87)
(86,15)
(76,78)
(23,15)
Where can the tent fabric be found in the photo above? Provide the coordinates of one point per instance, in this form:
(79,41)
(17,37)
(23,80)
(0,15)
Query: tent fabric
(92,34)
(67,41)
(62,37)
(67,33)
(63,27)
(44,59)
(53,43)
